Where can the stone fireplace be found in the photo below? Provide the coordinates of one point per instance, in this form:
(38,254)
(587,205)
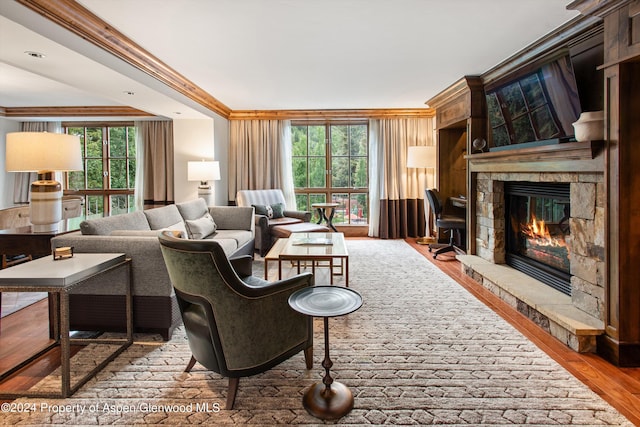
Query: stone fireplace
(574,316)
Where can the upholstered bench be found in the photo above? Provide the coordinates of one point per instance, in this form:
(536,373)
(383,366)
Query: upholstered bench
(285,230)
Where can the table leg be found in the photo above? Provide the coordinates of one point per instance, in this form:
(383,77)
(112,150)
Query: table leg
(330,219)
(345,262)
(65,347)
(330,399)
(320,215)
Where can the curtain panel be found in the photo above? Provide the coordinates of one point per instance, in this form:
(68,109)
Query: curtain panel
(155,138)
(260,158)
(397,192)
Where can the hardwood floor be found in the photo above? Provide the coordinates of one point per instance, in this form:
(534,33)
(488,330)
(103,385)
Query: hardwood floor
(21,333)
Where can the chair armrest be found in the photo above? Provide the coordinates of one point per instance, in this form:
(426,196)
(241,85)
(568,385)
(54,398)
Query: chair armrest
(243,265)
(233,217)
(303,215)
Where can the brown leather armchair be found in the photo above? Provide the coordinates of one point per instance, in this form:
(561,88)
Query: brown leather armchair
(237,325)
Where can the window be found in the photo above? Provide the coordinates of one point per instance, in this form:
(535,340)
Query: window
(330,164)
(108,180)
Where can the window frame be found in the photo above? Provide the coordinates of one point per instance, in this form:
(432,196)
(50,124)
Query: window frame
(328,191)
(106,192)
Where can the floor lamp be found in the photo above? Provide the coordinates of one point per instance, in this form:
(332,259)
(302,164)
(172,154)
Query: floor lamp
(44,153)
(423,156)
(204,171)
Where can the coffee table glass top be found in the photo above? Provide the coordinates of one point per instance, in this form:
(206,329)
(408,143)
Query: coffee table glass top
(325,301)
(300,245)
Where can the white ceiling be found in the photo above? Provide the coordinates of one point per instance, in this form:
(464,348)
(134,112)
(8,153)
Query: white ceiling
(271,54)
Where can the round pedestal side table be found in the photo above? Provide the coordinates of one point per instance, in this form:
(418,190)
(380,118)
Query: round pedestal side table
(330,399)
(322,213)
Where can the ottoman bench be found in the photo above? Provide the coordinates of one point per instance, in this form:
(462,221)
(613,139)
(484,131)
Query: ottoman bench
(278,231)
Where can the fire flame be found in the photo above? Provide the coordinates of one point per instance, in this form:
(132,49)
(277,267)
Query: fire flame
(539,232)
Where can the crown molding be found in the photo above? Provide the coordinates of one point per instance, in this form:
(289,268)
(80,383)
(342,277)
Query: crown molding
(97,111)
(329,114)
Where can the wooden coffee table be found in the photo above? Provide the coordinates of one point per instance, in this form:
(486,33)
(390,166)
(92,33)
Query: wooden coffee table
(314,248)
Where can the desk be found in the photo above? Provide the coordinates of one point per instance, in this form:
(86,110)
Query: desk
(330,399)
(58,278)
(458,202)
(322,212)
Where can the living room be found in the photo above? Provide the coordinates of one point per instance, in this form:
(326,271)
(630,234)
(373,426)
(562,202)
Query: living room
(454,121)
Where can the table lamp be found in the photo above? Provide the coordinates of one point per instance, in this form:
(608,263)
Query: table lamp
(44,153)
(423,156)
(204,171)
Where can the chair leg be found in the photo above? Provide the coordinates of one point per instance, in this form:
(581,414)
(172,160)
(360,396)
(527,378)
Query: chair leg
(449,248)
(231,392)
(190,365)
(308,357)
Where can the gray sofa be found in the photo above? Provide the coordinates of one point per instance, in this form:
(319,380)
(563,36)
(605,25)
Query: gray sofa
(99,305)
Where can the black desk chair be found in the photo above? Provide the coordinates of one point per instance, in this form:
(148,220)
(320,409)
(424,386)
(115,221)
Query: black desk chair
(454,224)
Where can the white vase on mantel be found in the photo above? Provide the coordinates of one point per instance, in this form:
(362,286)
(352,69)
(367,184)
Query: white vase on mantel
(590,126)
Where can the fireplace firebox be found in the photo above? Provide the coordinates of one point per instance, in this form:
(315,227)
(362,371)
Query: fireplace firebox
(537,231)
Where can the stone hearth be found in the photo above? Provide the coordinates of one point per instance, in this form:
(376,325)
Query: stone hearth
(575,320)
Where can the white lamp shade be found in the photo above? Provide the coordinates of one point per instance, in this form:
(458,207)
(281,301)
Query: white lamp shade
(42,151)
(421,156)
(203,171)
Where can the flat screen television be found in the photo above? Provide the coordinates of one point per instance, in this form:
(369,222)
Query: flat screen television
(536,108)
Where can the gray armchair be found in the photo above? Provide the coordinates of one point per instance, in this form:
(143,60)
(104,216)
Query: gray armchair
(265,224)
(237,325)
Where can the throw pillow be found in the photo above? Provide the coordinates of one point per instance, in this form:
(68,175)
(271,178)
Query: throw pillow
(278,210)
(201,227)
(275,210)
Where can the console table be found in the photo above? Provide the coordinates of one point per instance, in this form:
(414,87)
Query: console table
(330,399)
(58,278)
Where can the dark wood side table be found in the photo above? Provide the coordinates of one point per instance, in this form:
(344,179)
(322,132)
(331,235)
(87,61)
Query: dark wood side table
(23,240)
(330,399)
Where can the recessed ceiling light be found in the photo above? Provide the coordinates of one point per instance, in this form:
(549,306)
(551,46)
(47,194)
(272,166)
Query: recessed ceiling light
(177,112)
(129,92)
(34,54)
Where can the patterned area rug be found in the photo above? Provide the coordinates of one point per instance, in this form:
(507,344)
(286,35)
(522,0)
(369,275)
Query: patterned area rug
(420,351)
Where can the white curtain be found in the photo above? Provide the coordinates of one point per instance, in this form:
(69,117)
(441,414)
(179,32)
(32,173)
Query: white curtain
(22,180)
(396,192)
(260,157)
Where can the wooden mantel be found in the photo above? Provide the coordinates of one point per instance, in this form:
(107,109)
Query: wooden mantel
(584,156)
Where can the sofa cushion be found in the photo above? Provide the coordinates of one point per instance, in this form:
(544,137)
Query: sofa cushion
(104,226)
(163,217)
(229,246)
(193,209)
(241,237)
(201,227)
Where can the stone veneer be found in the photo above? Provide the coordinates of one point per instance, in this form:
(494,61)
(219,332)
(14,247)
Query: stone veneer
(586,244)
